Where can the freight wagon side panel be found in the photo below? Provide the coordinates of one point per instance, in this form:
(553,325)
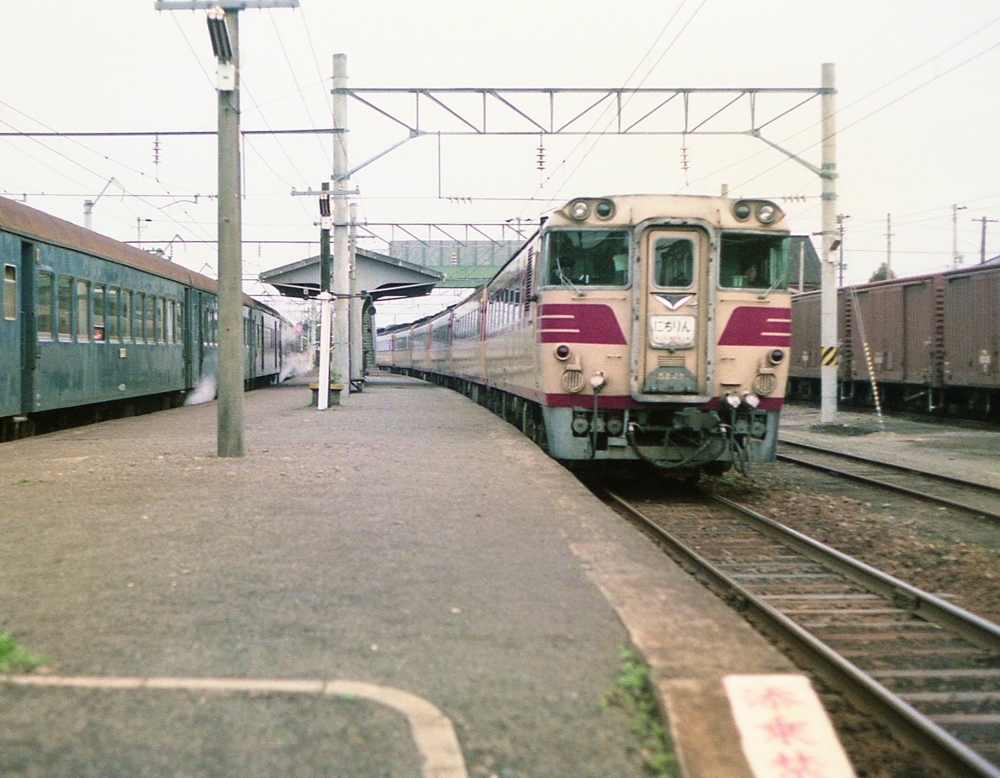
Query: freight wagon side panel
(918,333)
(805,351)
(880,312)
(972,329)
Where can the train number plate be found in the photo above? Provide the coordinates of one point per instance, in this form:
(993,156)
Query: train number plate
(671,331)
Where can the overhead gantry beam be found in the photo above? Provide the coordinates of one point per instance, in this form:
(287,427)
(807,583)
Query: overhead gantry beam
(572,111)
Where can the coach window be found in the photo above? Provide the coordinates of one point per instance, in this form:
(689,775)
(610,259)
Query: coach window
(150,319)
(64,307)
(673,263)
(82,311)
(9,292)
(587,258)
(112,323)
(179,324)
(169,323)
(754,261)
(46,282)
(98,313)
(140,317)
(159,319)
(126,315)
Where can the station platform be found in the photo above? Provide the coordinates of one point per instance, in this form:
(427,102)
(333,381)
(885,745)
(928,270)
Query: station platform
(401,585)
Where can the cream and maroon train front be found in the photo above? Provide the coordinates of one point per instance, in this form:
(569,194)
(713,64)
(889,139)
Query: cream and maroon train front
(650,328)
(663,330)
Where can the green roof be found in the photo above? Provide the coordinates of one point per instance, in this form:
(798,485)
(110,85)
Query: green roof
(465,276)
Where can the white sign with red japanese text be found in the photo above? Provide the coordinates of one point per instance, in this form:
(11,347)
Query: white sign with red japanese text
(784,729)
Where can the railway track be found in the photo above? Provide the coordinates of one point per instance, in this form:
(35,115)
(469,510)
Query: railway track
(927,669)
(922,484)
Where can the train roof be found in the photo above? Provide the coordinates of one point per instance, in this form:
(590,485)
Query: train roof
(638,208)
(28,222)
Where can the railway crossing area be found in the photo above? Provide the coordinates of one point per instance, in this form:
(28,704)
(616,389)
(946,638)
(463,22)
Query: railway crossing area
(265,615)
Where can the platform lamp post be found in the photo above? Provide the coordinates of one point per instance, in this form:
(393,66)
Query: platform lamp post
(223,28)
(325,299)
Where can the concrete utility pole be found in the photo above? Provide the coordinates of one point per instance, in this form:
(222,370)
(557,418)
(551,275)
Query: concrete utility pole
(888,246)
(341,260)
(325,298)
(223,26)
(956,258)
(356,306)
(982,242)
(828,295)
(230,405)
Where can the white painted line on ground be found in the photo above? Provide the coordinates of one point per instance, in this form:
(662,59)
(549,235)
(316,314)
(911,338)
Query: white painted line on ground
(432,731)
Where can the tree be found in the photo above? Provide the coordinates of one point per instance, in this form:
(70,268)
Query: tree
(882,274)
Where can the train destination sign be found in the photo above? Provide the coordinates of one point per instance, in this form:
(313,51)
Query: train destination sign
(667,331)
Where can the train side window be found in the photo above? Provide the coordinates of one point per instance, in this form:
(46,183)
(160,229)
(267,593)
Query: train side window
(168,329)
(179,323)
(113,311)
(9,292)
(140,317)
(43,316)
(126,315)
(673,264)
(159,319)
(82,311)
(150,319)
(98,313)
(64,307)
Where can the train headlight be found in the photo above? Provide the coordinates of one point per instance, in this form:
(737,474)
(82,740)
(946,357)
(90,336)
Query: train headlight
(604,209)
(562,352)
(742,211)
(776,356)
(579,210)
(732,400)
(751,399)
(767,213)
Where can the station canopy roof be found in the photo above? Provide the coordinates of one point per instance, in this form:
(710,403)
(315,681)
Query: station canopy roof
(380,276)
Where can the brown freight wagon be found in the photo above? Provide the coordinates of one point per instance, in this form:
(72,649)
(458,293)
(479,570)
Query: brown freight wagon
(933,343)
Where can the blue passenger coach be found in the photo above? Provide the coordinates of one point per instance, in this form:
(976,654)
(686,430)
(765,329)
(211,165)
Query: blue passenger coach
(92,327)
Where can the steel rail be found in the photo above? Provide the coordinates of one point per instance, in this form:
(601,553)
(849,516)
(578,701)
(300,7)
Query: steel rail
(948,479)
(810,652)
(830,470)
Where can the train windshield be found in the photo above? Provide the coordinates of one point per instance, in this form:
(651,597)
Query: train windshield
(587,258)
(754,261)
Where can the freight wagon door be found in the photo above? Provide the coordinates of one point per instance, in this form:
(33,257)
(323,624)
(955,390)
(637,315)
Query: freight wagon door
(672,326)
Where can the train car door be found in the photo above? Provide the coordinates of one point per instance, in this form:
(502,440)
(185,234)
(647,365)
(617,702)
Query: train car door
(193,348)
(29,327)
(12,356)
(671,328)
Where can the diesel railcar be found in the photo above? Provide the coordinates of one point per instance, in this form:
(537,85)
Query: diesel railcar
(637,328)
(94,326)
(933,343)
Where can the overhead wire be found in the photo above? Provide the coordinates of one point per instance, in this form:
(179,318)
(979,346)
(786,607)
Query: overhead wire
(841,130)
(844,108)
(595,141)
(295,80)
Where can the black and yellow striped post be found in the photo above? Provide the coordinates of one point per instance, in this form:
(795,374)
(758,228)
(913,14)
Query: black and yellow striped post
(830,356)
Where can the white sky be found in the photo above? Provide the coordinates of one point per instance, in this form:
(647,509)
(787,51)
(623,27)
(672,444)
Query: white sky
(917,99)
